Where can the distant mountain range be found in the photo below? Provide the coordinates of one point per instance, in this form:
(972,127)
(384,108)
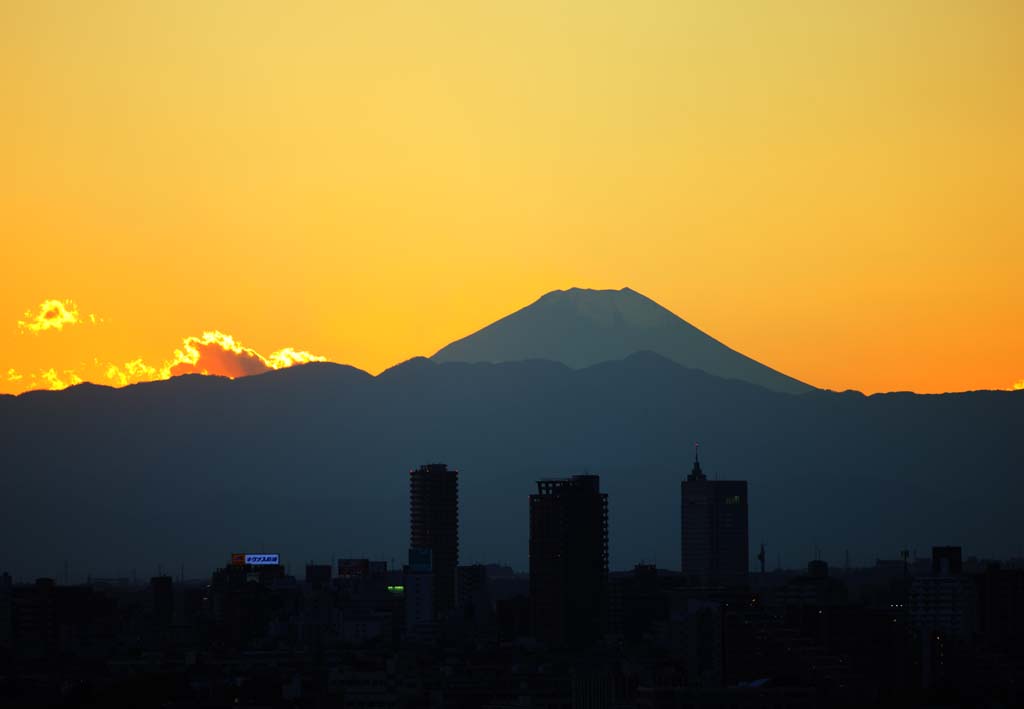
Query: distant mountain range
(580,327)
(312,462)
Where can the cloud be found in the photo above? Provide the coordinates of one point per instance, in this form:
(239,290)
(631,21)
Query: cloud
(288,357)
(214,353)
(134,371)
(52,315)
(219,354)
(56,382)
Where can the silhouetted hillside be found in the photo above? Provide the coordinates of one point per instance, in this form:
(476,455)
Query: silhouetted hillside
(313,462)
(581,327)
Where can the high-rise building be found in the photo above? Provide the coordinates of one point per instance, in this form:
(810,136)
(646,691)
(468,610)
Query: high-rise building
(568,560)
(434,525)
(714,529)
(944,612)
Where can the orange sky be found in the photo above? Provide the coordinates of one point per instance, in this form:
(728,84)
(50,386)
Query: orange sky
(832,188)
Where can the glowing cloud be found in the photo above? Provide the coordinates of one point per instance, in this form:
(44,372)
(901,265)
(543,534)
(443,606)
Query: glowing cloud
(134,371)
(57,383)
(214,353)
(288,357)
(217,353)
(52,314)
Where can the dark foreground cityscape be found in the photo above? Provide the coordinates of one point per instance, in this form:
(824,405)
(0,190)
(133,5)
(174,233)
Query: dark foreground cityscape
(944,630)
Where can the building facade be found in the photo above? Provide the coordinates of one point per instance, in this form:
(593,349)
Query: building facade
(434,525)
(568,561)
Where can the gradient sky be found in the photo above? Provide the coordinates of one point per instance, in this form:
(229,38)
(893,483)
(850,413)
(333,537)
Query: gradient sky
(833,188)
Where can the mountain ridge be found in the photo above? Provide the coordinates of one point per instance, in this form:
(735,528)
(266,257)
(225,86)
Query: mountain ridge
(315,464)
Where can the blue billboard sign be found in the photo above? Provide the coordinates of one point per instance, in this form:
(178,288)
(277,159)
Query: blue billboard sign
(262,559)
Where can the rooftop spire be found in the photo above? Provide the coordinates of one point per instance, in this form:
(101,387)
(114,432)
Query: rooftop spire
(696,473)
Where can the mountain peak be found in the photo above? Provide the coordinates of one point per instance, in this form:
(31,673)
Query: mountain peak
(577,289)
(581,327)
(576,293)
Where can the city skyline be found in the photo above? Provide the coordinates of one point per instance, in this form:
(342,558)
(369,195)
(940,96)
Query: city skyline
(897,633)
(351,354)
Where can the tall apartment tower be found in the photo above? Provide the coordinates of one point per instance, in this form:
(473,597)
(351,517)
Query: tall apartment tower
(568,561)
(714,529)
(434,525)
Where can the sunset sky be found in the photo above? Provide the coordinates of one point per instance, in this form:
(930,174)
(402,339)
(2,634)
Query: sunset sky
(835,189)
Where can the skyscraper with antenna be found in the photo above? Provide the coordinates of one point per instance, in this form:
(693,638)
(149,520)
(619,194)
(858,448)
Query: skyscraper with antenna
(713,521)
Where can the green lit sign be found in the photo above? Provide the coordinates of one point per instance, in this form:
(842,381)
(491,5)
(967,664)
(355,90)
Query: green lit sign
(396,589)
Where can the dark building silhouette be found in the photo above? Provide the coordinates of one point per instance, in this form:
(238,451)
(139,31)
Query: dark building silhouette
(6,584)
(318,575)
(434,525)
(238,601)
(361,568)
(513,617)
(34,618)
(370,600)
(568,560)
(474,595)
(947,561)
(162,588)
(714,529)
(944,602)
(815,588)
(943,610)
(638,600)
(420,587)
(238,573)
